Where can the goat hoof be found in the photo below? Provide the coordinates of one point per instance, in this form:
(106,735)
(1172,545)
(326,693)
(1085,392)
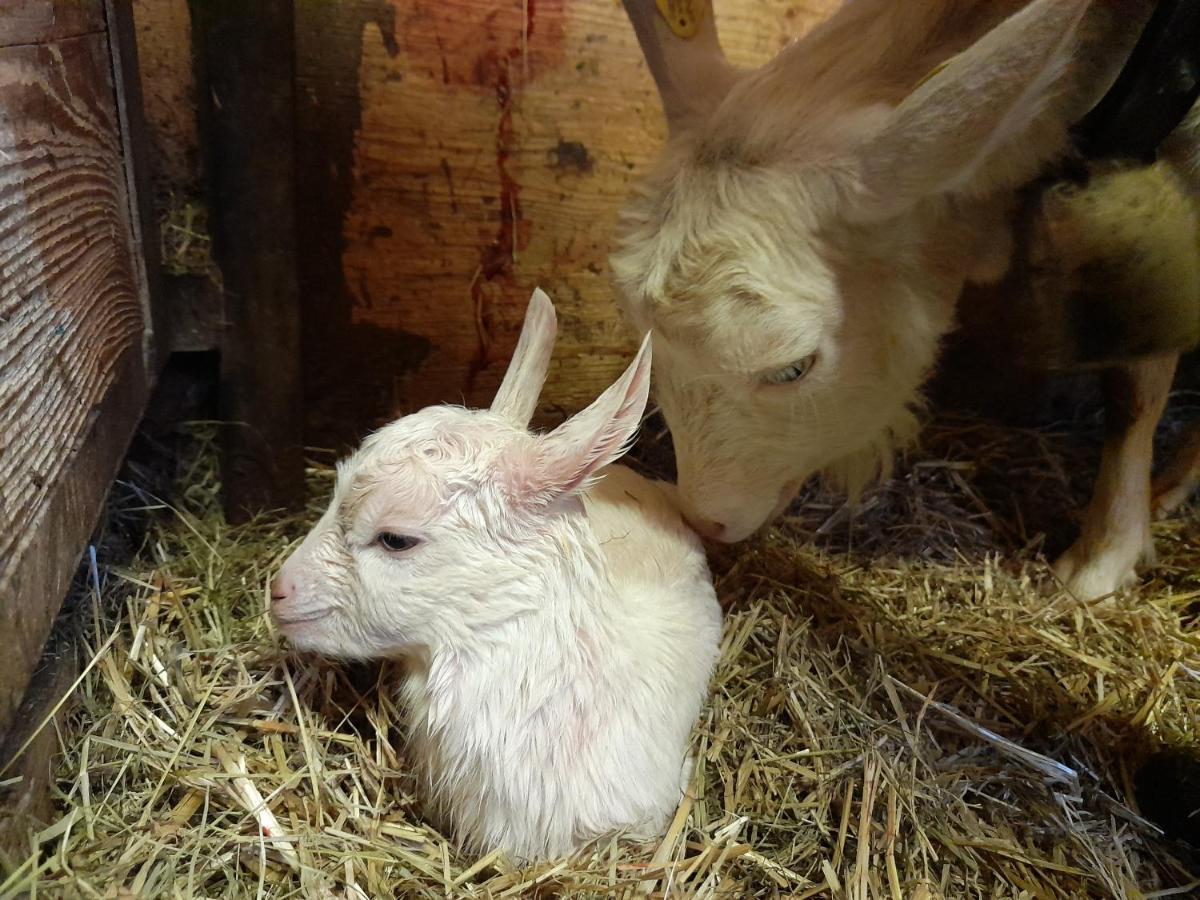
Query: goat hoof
(1167,498)
(1090,576)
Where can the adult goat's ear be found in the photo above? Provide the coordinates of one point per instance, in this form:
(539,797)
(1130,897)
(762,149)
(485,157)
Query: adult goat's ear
(518,395)
(684,56)
(567,458)
(979,111)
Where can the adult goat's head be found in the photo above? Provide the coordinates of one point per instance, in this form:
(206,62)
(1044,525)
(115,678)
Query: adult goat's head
(799,247)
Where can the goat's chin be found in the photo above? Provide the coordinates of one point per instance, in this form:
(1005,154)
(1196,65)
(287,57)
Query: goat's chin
(873,462)
(301,635)
(323,638)
(786,496)
(309,640)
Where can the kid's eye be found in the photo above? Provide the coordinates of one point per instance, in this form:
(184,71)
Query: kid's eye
(395,543)
(794,372)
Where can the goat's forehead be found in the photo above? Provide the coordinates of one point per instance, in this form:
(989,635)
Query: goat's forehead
(434,447)
(439,432)
(397,494)
(739,277)
(740,333)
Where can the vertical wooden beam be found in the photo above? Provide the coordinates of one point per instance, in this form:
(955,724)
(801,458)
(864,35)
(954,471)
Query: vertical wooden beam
(351,369)
(245,52)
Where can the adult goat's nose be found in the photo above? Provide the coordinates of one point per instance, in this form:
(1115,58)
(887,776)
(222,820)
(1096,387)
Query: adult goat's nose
(707,528)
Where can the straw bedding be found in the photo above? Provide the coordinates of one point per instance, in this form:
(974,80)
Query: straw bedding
(186,245)
(904,708)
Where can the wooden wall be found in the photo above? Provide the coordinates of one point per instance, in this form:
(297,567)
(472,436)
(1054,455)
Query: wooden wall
(457,153)
(452,154)
(75,339)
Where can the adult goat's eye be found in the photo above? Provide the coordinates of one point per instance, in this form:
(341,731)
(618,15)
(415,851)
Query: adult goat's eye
(396,543)
(794,372)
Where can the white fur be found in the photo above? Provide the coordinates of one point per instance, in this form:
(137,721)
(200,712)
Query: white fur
(561,637)
(835,201)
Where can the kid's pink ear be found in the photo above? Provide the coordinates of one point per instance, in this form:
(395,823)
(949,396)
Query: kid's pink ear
(518,395)
(564,460)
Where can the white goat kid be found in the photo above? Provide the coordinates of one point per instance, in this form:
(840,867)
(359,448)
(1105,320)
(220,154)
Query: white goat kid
(558,616)
(799,248)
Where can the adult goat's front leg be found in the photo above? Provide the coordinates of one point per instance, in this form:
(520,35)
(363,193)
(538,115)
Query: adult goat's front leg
(1115,538)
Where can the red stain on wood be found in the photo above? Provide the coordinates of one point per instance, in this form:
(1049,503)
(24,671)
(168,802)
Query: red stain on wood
(455,40)
(499,49)
(437,162)
(495,69)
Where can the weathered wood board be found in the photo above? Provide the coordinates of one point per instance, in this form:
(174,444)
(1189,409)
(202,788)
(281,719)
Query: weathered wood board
(25,798)
(40,21)
(73,325)
(454,154)
(168,80)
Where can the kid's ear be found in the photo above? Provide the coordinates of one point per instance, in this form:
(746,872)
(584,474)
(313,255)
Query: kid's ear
(518,395)
(566,459)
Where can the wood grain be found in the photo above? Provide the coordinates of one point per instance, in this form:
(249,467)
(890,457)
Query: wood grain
(72,375)
(145,243)
(490,147)
(41,21)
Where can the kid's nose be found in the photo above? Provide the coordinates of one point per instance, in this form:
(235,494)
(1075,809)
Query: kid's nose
(282,588)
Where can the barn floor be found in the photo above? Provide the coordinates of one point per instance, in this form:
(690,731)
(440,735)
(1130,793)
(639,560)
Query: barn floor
(903,708)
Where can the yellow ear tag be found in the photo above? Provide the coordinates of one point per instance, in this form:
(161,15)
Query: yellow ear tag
(932,72)
(683,16)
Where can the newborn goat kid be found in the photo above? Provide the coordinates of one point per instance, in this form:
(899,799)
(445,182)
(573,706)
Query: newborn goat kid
(561,630)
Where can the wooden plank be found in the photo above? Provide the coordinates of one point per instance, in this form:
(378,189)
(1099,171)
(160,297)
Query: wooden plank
(189,313)
(25,802)
(247,128)
(40,574)
(458,153)
(165,62)
(143,220)
(348,368)
(197,321)
(43,21)
(72,378)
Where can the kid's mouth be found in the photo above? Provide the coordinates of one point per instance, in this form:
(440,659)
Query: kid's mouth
(301,620)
